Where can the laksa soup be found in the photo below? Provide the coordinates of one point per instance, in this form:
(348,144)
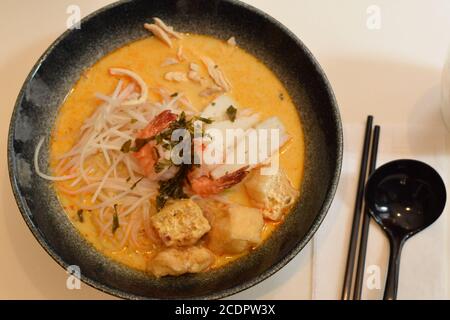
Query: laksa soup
(177,153)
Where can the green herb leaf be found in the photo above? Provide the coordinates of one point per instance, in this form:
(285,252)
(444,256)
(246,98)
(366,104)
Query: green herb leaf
(161,201)
(182,118)
(80,215)
(115,224)
(133,121)
(126,147)
(156,151)
(231,113)
(162,164)
(172,188)
(205,120)
(158,139)
(166,146)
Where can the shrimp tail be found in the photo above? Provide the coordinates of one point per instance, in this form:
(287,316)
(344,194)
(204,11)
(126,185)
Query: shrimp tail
(158,124)
(146,155)
(233,178)
(206,186)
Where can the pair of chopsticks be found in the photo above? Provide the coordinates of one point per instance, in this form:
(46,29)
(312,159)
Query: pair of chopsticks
(361,218)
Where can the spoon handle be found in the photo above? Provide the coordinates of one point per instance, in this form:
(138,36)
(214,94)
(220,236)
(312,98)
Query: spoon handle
(390,290)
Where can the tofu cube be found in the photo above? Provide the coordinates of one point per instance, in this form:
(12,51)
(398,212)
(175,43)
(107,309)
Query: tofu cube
(245,224)
(180,223)
(274,194)
(177,261)
(236,230)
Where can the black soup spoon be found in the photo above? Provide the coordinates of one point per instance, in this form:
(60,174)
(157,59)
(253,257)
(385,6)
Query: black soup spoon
(404,197)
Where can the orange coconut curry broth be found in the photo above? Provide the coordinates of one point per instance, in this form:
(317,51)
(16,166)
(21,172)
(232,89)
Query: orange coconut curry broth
(115,201)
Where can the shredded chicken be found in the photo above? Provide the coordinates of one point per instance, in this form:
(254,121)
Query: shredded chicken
(210,91)
(180,54)
(159,33)
(216,74)
(162,31)
(176,76)
(194,67)
(170,62)
(168,29)
(194,76)
(185,102)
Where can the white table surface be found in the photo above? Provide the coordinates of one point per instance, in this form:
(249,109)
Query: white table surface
(389,72)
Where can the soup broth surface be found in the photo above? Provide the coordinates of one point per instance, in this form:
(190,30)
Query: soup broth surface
(253,86)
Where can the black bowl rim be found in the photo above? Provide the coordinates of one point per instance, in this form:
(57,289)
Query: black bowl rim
(25,211)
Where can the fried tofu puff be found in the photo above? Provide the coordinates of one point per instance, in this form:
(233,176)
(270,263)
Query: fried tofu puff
(180,223)
(274,194)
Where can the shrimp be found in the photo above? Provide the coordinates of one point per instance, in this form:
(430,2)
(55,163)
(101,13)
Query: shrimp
(205,185)
(158,124)
(147,156)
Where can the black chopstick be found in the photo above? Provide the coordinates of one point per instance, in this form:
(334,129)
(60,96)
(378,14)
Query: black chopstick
(348,279)
(366,222)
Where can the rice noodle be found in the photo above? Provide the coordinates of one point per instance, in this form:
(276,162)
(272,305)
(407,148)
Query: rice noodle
(105,179)
(94,197)
(139,81)
(103,176)
(134,206)
(43,175)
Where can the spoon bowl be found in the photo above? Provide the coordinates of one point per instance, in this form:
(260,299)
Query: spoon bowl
(404,197)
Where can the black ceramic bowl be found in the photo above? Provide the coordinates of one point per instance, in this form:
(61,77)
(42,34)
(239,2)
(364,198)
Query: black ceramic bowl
(58,69)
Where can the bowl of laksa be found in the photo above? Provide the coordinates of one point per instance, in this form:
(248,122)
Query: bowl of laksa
(174,149)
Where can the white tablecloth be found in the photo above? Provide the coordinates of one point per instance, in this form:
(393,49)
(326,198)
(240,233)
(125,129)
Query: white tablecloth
(423,267)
